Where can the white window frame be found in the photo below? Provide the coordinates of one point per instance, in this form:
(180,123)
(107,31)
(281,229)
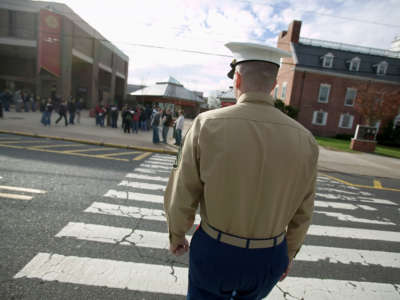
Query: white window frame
(381,68)
(284,90)
(319,93)
(356,61)
(351,121)
(346,96)
(325,62)
(324,118)
(276,90)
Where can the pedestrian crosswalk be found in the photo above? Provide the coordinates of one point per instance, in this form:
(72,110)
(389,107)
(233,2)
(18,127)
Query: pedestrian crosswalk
(18,193)
(342,213)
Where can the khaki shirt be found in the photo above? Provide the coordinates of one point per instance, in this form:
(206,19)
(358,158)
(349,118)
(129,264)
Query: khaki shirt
(251,168)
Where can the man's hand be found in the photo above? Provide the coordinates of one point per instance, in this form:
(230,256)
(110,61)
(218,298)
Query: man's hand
(181,248)
(287,271)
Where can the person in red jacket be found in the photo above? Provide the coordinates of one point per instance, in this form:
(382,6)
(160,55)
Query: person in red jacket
(136,118)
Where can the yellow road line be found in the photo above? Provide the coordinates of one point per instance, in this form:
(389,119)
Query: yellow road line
(9,139)
(120,153)
(62,152)
(22,142)
(87,150)
(360,185)
(14,196)
(144,155)
(55,146)
(377,184)
(19,189)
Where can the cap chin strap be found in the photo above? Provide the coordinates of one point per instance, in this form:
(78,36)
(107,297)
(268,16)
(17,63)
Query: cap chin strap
(233,65)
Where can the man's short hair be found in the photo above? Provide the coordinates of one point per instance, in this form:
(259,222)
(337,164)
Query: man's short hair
(258,73)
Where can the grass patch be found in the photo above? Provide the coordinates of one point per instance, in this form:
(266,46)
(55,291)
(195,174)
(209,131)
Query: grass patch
(388,151)
(343,145)
(334,144)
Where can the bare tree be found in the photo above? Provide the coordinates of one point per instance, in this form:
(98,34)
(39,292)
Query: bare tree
(377,104)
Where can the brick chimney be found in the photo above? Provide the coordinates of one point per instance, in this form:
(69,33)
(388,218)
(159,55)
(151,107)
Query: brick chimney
(292,35)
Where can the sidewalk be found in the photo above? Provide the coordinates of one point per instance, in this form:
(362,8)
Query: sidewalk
(86,131)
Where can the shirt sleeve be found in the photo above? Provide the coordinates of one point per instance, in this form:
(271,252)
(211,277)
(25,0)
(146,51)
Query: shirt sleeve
(299,224)
(184,189)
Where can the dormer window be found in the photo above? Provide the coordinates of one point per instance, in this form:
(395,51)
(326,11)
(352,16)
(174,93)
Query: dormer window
(327,60)
(381,68)
(355,64)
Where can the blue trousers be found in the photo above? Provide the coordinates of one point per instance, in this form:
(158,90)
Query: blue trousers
(165,130)
(178,137)
(156,135)
(221,271)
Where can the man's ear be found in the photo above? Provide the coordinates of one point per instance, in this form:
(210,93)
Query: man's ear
(238,80)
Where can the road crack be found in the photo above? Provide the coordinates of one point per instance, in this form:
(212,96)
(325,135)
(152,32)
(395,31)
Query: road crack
(287,294)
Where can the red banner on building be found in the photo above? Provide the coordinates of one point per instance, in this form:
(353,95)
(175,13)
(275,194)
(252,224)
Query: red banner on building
(49,47)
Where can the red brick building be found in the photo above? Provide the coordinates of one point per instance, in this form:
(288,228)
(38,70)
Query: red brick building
(322,80)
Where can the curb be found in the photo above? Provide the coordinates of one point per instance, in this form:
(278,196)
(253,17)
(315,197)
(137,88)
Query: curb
(89,142)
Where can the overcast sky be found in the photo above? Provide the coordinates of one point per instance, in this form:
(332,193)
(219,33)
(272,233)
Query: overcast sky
(206,25)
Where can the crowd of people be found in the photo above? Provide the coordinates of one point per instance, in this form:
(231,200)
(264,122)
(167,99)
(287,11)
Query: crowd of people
(71,108)
(142,118)
(133,118)
(24,101)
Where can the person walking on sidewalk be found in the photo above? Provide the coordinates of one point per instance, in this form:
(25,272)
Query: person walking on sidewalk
(135,120)
(114,115)
(155,123)
(62,112)
(71,111)
(128,117)
(167,122)
(178,128)
(252,170)
(47,110)
(78,110)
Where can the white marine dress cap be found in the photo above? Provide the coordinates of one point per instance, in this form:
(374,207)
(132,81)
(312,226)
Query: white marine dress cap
(254,52)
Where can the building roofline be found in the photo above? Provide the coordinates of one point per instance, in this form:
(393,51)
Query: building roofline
(337,74)
(349,47)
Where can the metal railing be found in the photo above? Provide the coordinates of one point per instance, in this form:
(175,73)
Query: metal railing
(349,47)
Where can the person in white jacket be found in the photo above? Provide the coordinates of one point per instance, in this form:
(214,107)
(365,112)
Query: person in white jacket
(179,127)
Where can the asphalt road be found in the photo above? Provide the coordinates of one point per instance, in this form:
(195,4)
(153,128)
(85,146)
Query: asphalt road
(92,227)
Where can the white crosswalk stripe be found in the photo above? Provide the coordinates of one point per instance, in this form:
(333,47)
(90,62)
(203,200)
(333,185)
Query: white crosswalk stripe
(152,171)
(130,212)
(317,230)
(134,196)
(141,185)
(130,275)
(147,177)
(339,205)
(350,218)
(157,240)
(140,198)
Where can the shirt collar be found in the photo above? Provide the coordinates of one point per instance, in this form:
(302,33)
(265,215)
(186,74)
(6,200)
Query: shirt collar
(254,97)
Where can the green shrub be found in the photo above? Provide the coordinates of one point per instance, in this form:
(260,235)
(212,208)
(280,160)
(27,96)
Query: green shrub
(342,136)
(291,111)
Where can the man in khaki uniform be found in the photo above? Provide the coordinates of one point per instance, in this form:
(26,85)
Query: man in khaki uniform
(252,170)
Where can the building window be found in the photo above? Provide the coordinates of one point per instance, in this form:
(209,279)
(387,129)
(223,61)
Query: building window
(324,90)
(283,94)
(327,60)
(381,68)
(276,92)
(351,95)
(346,121)
(355,64)
(319,118)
